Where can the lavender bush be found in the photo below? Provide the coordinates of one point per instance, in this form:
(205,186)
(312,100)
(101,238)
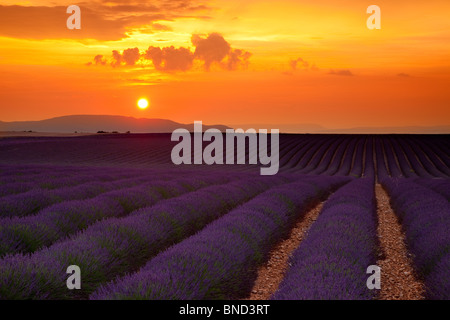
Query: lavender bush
(425,217)
(220,262)
(56,222)
(357,168)
(331,262)
(114,246)
(439,185)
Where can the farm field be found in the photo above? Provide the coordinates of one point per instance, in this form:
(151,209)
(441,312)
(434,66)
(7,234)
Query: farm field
(140,227)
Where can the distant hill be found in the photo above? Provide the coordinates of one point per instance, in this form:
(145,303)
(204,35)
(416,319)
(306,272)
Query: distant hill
(95,123)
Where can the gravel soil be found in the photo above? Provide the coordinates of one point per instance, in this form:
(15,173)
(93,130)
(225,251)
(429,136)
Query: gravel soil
(398,279)
(272,272)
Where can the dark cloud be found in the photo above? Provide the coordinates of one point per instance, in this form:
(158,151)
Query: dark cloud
(170,58)
(161,27)
(213,48)
(294,63)
(237,58)
(99,20)
(130,56)
(155,5)
(299,64)
(98,59)
(117,58)
(210,49)
(344,72)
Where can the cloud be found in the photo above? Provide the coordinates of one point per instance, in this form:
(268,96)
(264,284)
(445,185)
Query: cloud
(213,48)
(404,75)
(236,58)
(130,56)
(299,64)
(293,64)
(343,72)
(170,58)
(155,5)
(101,20)
(117,58)
(209,50)
(98,59)
(160,27)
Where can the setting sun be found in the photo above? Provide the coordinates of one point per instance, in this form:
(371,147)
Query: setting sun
(142,104)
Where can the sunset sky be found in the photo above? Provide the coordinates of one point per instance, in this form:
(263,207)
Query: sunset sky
(228,61)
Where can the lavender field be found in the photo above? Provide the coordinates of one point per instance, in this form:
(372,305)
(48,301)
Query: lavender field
(140,227)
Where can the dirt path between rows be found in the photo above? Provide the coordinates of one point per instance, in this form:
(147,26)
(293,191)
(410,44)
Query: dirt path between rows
(398,280)
(272,272)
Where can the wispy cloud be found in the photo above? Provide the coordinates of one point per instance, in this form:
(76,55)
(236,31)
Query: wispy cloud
(300,63)
(343,72)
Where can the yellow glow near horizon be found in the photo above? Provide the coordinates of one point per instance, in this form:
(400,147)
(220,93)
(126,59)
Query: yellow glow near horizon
(142,104)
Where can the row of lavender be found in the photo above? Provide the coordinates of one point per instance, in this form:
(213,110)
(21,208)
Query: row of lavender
(325,265)
(20,179)
(27,234)
(341,155)
(98,150)
(331,262)
(31,202)
(410,158)
(354,155)
(425,218)
(20,172)
(441,186)
(14,185)
(221,261)
(114,246)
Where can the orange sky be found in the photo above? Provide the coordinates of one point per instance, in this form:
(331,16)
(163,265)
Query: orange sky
(228,61)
